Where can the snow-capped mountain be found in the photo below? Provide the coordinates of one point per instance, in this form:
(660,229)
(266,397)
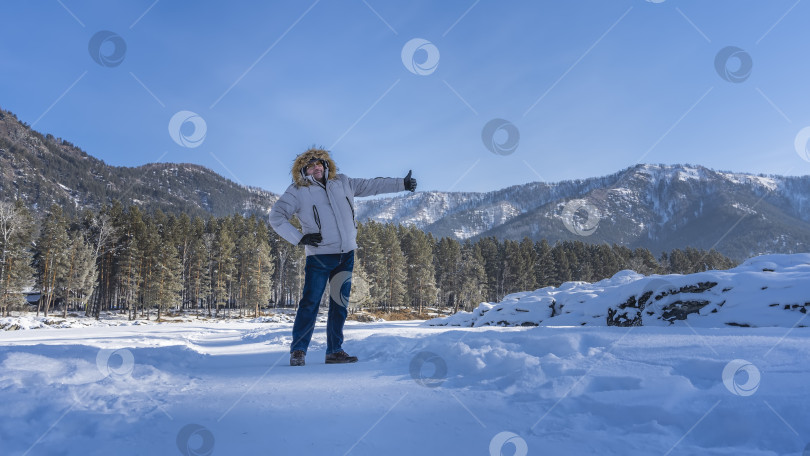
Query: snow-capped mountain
(659,207)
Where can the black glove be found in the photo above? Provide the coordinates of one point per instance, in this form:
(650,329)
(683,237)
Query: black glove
(311,239)
(410,182)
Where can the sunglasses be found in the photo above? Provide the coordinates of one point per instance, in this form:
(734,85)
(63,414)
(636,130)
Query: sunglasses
(315,161)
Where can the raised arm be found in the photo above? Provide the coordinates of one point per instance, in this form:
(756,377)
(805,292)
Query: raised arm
(368,187)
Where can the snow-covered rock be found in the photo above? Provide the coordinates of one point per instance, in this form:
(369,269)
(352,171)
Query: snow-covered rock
(769,290)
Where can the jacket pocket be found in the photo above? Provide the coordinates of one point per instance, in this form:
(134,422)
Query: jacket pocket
(316,217)
(354,221)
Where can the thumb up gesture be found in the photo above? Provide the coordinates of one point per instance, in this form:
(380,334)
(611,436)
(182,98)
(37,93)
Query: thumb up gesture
(410,182)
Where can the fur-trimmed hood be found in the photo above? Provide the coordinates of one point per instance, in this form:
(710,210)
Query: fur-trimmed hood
(299,176)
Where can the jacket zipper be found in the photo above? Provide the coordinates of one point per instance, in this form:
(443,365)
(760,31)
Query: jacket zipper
(315,211)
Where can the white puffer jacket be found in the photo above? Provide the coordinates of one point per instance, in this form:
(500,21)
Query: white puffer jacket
(328,209)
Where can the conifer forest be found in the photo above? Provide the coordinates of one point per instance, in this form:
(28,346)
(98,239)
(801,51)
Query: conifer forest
(146,264)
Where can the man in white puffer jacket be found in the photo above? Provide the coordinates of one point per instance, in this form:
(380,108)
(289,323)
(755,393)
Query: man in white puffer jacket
(323,201)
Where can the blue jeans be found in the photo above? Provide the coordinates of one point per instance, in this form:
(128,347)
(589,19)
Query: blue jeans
(318,269)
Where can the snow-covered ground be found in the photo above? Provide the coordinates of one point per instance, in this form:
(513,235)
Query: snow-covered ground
(226,388)
(539,373)
(31,321)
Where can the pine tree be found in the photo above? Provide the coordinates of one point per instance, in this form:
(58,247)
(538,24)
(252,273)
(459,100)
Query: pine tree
(254,266)
(663,260)
(244,245)
(544,268)
(421,278)
(286,257)
(16,234)
(562,268)
(393,272)
(104,230)
(224,265)
(167,278)
(473,278)
(99,233)
(513,266)
(528,258)
(181,229)
(49,259)
(162,285)
(197,274)
(449,275)
(371,257)
(130,248)
(716,260)
(209,239)
(643,262)
(679,262)
(585,263)
(261,271)
(623,257)
(491,252)
(361,288)
(80,262)
(149,266)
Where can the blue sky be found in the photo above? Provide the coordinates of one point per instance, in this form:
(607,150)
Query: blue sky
(591,87)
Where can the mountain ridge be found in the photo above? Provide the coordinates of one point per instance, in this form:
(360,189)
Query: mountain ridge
(42,170)
(659,207)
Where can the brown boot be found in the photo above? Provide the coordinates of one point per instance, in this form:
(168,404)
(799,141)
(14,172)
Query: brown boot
(297,358)
(340,357)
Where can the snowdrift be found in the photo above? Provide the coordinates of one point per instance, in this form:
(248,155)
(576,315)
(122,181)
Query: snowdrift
(768,290)
(584,390)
